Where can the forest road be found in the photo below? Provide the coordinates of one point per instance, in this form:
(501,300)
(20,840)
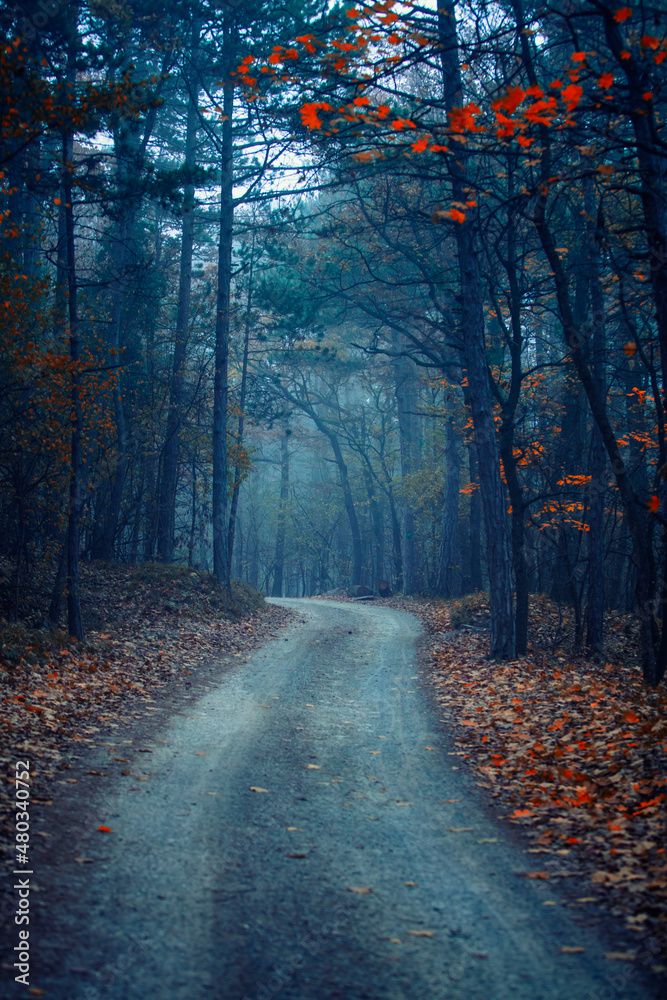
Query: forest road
(302,831)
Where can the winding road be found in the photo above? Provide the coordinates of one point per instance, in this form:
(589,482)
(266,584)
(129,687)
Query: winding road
(302,831)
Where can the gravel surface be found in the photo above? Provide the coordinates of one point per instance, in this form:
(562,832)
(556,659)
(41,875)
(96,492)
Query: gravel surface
(301,831)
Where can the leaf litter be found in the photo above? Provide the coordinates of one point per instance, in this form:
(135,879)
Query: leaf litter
(149,628)
(575,751)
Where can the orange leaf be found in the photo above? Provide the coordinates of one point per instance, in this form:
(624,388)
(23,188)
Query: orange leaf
(572,94)
(456,215)
(649,42)
(622,14)
(578,56)
(654,504)
(606,80)
(462,120)
(630,348)
(105,829)
(511,100)
(309,114)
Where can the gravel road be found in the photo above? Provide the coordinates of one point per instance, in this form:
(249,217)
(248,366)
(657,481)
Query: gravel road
(302,831)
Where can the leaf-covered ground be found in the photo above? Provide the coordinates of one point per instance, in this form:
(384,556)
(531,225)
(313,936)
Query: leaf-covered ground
(576,753)
(149,627)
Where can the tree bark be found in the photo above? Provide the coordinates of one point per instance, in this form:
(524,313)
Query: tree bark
(279,558)
(242,401)
(74,619)
(171,450)
(475,523)
(448,580)
(376,521)
(595,595)
(404,378)
(472,325)
(221,567)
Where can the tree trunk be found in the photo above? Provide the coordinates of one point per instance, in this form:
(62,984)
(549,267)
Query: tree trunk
(595,539)
(242,401)
(74,620)
(404,382)
(472,325)
(59,585)
(221,567)
(448,579)
(279,558)
(105,548)
(171,450)
(376,521)
(475,522)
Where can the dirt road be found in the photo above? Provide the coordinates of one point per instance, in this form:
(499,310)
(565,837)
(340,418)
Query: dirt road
(303,831)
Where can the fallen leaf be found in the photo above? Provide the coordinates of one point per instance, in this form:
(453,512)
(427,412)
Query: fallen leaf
(362,890)
(461,829)
(488,840)
(571,949)
(102,774)
(411,883)
(314,767)
(621,956)
(296,855)
(254,788)
(428,934)
(84,861)
(292,827)
(105,829)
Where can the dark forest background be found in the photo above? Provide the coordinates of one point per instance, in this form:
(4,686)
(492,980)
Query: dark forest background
(321,296)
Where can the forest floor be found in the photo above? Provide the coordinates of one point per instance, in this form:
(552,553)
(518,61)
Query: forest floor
(150,629)
(575,751)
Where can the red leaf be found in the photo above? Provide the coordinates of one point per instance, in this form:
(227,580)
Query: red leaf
(654,504)
(572,94)
(462,120)
(622,14)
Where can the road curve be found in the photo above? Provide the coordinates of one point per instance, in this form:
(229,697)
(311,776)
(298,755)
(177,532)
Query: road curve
(302,831)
